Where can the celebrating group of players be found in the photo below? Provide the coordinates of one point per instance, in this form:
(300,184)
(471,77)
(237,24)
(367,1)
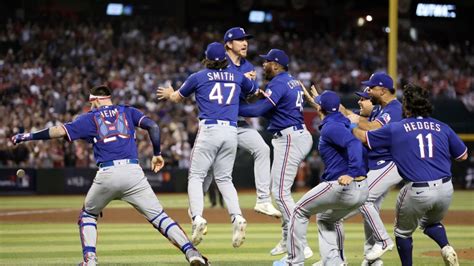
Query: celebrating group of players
(417,149)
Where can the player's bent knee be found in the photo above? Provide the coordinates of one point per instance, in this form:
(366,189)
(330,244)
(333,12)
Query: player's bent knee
(403,233)
(86,218)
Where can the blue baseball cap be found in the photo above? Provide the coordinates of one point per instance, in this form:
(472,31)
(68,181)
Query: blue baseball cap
(364,93)
(236,33)
(215,51)
(381,79)
(277,55)
(329,101)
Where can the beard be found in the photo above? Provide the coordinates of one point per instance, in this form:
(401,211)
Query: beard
(267,74)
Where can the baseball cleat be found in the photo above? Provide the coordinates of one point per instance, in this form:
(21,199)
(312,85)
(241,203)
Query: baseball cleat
(267,209)
(279,249)
(239,226)
(198,261)
(377,262)
(90,260)
(199,229)
(308,253)
(449,256)
(377,251)
(191,217)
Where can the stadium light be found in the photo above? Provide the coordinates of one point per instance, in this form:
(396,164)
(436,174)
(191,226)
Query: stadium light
(360,22)
(368,18)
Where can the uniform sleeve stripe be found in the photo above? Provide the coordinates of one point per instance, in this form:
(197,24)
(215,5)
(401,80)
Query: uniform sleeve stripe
(380,122)
(270,99)
(67,133)
(462,154)
(367,139)
(139,121)
(180,94)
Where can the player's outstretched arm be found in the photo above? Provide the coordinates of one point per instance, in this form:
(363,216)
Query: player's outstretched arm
(168,93)
(309,96)
(157,162)
(55,132)
(360,135)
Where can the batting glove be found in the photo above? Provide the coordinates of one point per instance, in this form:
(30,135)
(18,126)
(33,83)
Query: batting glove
(21,138)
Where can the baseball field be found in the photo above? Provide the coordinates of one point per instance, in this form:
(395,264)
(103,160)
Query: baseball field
(42,230)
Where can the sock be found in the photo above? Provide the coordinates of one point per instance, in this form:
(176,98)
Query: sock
(405,248)
(437,233)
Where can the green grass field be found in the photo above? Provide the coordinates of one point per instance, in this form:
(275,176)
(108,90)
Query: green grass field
(140,244)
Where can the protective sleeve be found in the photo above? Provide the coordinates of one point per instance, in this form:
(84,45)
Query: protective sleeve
(154,133)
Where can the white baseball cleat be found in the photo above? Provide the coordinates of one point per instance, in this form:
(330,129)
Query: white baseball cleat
(239,226)
(377,251)
(267,209)
(449,256)
(308,253)
(199,229)
(279,249)
(91,260)
(377,262)
(191,217)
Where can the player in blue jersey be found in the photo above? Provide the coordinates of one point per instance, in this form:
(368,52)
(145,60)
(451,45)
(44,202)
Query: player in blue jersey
(217,89)
(342,190)
(111,130)
(236,45)
(422,148)
(383,172)
(283,107)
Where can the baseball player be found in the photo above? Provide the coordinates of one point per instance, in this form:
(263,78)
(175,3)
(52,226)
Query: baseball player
(236,45)
(111,130)
(283,107)
(217,89)
(382,174)
(422,148)
(344,188)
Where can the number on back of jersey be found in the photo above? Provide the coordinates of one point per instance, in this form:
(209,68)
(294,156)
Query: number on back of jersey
(219,91)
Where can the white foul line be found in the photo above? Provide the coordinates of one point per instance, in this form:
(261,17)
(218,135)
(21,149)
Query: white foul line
(35,212)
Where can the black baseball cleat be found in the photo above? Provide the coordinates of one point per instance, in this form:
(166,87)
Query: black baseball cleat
(199,261)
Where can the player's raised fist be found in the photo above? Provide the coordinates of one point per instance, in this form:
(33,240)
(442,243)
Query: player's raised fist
(20,138)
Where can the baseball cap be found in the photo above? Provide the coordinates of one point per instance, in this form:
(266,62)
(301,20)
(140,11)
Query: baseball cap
(236,33)
(381,79)
(277,55)
(215,51)
(329,101)
(364,93)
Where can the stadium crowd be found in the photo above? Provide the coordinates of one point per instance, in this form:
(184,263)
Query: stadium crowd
(47,68)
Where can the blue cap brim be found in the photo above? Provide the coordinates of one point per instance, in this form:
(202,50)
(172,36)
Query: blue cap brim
(363,94)
(368,83)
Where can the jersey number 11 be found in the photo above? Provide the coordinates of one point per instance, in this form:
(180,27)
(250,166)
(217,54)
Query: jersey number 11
(421,144)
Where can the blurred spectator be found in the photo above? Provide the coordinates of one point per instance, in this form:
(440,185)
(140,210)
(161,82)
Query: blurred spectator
(46,69)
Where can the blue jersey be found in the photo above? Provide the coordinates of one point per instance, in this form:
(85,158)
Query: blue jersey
(217,92)
(340,151)
(110,129)
(392,112)
(244,67)
(286,94)
(422,148)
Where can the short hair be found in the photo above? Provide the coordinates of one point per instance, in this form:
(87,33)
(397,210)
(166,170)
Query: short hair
(101,90)
(215,64)
(416,100)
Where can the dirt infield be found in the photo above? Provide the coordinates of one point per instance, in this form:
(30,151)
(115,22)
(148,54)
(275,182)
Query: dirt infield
(467,254)
(215,215)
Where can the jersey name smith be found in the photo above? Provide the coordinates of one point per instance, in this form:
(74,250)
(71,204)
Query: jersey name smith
(220,76)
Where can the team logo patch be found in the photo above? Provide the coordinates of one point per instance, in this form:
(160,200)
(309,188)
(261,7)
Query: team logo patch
(268,92)
(386,118)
